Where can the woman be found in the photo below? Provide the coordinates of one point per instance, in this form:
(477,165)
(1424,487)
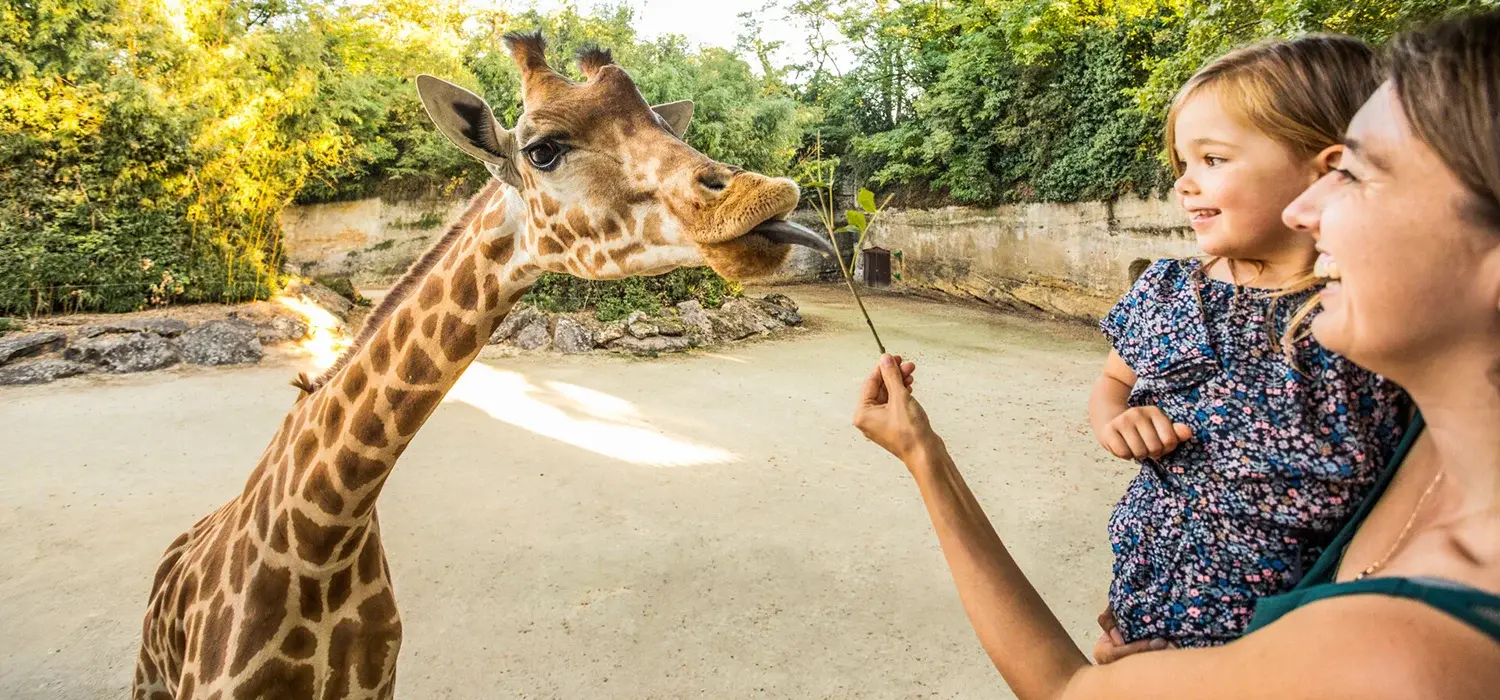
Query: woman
(1406,603)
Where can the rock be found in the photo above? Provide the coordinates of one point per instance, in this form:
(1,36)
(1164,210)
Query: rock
(692,314)
(281,329)
(642,329)
(783,301)
(785,316)
(609,334)
(751,314)
(651,346)
(40,372)
(571,337)
(667,326)
(30,345)
(534,336)
(164,327)
(322,296)
(232,342)
(741,319)
(635,317)
(123,354)
(518,318)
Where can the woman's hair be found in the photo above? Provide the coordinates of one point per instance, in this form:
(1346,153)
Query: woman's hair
(1302,94)
(1447,77)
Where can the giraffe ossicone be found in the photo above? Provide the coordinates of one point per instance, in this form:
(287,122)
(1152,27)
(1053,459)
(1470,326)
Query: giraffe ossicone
(285,591)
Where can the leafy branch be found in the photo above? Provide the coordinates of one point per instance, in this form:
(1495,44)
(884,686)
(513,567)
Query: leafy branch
(817,173)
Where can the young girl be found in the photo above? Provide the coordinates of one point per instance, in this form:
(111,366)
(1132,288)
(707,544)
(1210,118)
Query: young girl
(1252,456)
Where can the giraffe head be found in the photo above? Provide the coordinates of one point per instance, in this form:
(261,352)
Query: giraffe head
(611,188)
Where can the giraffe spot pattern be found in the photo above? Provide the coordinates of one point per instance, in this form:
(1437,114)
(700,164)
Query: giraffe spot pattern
(278,539)
(380,354)
(466,286)
(369,428)
(339,588)
(265,608)
(402,328)
(355,470)
(315,543)
(458,338)
(278,679)
(334,423)
(432,293)
(310,598)
(418,368)
(411,408)
(321,490)
(354,383)
(300,644)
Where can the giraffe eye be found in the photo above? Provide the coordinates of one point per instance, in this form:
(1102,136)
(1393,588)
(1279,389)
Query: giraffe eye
(545,156)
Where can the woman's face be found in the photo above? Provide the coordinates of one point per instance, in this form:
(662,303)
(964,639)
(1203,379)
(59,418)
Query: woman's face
(1409,273)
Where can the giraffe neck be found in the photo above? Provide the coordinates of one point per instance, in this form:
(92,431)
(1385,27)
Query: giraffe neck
(319,480)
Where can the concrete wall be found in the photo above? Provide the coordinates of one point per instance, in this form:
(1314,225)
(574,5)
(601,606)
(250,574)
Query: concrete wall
(370,241)
(1068,260)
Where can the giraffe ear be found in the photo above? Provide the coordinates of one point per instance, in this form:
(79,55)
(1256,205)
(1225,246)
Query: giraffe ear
(467,120)
(677,115)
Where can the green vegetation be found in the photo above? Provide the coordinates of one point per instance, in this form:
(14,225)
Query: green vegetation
(615,300)
(146,147)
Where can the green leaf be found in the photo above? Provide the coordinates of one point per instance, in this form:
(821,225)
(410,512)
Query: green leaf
(867,200)
(856,219)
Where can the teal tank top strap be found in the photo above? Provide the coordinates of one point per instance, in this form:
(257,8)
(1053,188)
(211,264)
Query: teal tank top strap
(1326,568)
(1476,608)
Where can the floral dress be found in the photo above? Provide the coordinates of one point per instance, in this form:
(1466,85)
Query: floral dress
(1281,454)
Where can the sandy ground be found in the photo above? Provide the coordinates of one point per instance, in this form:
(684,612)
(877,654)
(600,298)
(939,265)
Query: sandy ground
(602,527)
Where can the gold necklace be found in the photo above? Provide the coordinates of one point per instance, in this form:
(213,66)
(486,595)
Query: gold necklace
(1402,537)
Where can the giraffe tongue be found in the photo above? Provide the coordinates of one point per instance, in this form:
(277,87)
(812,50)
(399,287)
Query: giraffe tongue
(788,233)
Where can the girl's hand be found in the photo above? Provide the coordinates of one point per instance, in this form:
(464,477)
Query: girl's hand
(1143,432)
(888,415)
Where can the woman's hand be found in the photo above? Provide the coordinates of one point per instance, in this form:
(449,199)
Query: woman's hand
(888,415)
(1111,646)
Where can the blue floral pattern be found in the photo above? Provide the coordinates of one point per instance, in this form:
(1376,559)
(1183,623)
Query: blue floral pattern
(1282,454)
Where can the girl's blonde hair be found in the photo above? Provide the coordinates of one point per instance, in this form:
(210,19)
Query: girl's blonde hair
(1301,93)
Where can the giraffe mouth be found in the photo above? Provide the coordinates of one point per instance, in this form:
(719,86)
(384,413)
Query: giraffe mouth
(786,232)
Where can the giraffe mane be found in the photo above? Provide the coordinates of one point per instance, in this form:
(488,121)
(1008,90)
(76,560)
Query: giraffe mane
(403,288)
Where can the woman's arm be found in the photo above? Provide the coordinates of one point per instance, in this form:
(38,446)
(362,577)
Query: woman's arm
(1002,605)
(1362,646)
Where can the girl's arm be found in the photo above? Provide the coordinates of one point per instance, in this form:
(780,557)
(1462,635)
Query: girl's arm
(1129,433)
(1111,394)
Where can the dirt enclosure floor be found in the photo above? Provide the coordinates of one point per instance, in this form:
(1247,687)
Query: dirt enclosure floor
(700,526)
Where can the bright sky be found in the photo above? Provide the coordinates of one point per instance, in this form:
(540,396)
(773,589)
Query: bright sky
(703,22)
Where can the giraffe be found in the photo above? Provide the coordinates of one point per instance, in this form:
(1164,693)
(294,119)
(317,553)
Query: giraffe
(285,591)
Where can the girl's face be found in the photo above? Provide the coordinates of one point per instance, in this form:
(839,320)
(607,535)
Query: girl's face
(1410,273)
(1235,183)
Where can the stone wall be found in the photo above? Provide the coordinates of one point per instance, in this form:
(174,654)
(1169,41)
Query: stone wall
(1067,260)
